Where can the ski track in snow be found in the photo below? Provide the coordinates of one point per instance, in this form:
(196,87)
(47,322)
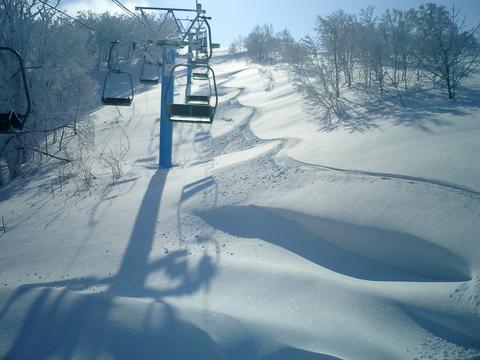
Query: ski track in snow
(282,156)
(384,176)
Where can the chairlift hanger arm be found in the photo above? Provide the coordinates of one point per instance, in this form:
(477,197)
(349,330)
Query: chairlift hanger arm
(110,56)
(209,38)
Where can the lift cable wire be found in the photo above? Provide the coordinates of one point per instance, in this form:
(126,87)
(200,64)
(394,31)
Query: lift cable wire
(124,8)
(133,15)
(77,20)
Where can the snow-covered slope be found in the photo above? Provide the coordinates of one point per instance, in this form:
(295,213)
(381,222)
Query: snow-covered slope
(271,239)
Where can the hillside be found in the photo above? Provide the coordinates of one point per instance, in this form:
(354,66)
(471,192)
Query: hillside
(271,238)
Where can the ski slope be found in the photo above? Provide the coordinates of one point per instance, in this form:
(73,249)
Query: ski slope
(269,239)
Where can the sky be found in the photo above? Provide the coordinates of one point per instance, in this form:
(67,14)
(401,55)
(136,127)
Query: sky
(233,18)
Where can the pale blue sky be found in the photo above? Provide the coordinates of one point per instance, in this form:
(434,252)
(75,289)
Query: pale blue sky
(233,18)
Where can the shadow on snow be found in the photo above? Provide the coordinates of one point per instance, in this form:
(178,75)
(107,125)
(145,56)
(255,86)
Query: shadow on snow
(58,321)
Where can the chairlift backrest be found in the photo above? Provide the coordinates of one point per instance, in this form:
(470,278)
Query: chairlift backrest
(13,120)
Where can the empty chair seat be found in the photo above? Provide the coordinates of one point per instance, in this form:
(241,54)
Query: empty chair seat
(10,121)
(146,81)
(200,76)
(116,101)
(4,122)
(200,62)
(195,113)
(198,99)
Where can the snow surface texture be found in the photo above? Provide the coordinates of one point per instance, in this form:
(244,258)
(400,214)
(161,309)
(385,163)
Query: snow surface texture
(271,239)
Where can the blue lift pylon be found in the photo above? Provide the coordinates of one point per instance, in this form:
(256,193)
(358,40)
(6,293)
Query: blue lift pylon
(169,110)
(166,126)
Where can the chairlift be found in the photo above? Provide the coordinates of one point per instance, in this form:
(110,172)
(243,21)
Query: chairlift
(197,108)
(116,100)
(149,67)
(14,121)
(204,45)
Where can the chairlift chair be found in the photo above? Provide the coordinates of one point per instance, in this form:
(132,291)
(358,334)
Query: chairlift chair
(13,120)
(204,45)
(116,100)
(146,78)
(197,108)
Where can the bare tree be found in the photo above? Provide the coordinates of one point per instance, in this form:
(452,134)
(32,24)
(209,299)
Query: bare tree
(261,44)
(397,28)
(237,46)
(316,80)
(447,50)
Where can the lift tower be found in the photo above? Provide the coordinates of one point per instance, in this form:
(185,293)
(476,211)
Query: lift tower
(169,46)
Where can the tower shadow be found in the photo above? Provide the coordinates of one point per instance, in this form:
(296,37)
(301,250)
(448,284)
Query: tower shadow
(90,322)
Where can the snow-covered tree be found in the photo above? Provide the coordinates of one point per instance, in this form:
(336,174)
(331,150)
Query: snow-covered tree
(290,51)
(64,61)
(315,78)
(397,28)
(447,50)
(261,44)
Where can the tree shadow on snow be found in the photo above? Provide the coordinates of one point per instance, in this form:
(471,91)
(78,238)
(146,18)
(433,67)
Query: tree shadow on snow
(421,109)
(59,323)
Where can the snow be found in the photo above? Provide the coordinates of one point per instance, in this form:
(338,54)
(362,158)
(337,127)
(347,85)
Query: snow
(270,239)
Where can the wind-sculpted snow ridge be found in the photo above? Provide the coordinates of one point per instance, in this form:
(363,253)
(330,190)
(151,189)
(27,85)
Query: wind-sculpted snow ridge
(258,244)
(348,249)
